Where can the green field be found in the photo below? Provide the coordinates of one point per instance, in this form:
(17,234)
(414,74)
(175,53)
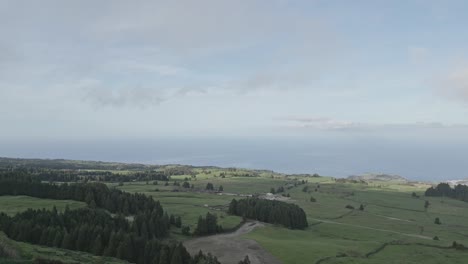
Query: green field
(14,204)
(393,226)
(25,253)
(337,234)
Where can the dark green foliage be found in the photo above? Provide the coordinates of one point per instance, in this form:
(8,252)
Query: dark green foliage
(92,229)
(220,189)
(95,231)
(349,207)
(275,212)
(186,185)
(458,246)
(47,261)
(207,225)
(312,199)
(414,195)
(245,261)
(209,186)
(437,221)
(178,222)
(305,189)
(201,258)
(426,205)
(436,238)
(460,192)
(361,207)
(94,194)
(186,230)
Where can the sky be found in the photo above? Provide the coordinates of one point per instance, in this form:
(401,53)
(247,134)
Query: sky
(90,70)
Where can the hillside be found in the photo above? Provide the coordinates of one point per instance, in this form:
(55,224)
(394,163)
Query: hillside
(371,218)
(378,177)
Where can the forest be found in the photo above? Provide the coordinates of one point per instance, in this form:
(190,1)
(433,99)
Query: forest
(459,192)
(270,211)
(93,229)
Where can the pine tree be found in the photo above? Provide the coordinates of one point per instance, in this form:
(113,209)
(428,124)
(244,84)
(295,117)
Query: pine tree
(164,255)
(97,246)
(178,222)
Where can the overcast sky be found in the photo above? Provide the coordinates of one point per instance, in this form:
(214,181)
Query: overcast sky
(145,69)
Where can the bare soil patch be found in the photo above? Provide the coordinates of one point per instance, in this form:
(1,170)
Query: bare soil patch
(231,248)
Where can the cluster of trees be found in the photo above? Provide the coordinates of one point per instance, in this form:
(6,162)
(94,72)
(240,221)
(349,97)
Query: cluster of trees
(278,190)
(94,194)
(85,175)
(275,212)
(208,225)
(210,187)
(94,231)
(460,192)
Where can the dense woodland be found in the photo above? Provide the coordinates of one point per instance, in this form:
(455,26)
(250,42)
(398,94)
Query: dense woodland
(93,229)
(208,225)
(459,192)
(93,194)
(275,212)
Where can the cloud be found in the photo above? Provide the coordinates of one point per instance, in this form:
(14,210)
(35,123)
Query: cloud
(96,93)
(208,45)
(325,123)
(322,123)
(455,85)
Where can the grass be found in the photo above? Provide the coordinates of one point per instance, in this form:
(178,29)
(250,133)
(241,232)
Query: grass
(15,204)
(390,214)
(336,234)
(26,253)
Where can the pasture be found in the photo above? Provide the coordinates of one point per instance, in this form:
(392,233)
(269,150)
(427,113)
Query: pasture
(14,204)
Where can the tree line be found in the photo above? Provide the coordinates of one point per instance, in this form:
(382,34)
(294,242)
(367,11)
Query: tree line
(459,192)
(51,175)
(93,194)
(270,211)
(95,231)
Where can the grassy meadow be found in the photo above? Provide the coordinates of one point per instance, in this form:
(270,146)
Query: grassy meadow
(393,227)
(14,204)
(393,223)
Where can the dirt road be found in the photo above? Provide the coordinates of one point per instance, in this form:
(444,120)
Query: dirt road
(230,248)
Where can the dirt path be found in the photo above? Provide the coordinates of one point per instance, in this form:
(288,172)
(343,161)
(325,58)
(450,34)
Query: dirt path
(230,248)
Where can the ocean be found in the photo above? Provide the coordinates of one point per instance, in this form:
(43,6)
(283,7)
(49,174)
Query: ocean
(423,161)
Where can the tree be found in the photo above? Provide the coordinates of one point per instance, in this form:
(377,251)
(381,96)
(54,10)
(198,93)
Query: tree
(220,189)
(186,230)
(426,205)
(209,186)
(312,199)
(178,222)
(97,246)
(172,219)
(361,207)
(437,221)
(186,185)
(245,261)
(207,225)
